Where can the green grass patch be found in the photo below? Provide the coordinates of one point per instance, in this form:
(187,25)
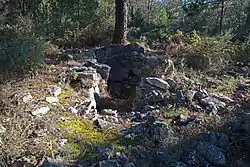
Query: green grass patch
(174,112)
(226,87)
(84,138)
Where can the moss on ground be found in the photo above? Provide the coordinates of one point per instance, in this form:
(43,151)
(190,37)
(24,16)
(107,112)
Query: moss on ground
(175,112)
(84,138)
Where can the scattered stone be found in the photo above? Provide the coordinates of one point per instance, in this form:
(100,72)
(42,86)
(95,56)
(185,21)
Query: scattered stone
(73,110)
(47,162)
(176,164)
(18,163)
(192,158)
(247,123)
(102,69)
(201,94)
(157,82)
(109,112)
(53,90)
(90,54)
(220,140)
(149,94)
(67,57)
(109,163)
(1,141)
(105,124)
(211,153)
(27,98)
(52,100)
(129,165)
(2,129)
(213,105)
(121,158)
(246,106)
(180,99)
(183,118)
(21,97)
(41,111)
(221,97)
(105,152)
(142,163)
(172,84)
(89,74)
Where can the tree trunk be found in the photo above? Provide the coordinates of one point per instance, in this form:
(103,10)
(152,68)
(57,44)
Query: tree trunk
(121,20)
(221,15)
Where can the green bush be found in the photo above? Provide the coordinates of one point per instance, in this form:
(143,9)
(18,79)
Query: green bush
(215,52)
(19,50)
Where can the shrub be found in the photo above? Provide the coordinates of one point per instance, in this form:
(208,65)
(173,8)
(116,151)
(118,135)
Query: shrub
(202,52)
(19,48)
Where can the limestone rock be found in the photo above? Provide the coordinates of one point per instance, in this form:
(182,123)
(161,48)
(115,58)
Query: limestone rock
(53,90)
(109,163)
(157,82)
(41,111)
(2,129)
(52,100)
(211,153)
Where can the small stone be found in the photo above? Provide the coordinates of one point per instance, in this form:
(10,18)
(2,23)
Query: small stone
(183,118)
(2,129)
(211,153)
(104,124)
(109,112)
(27,98)
(53,90)
(72,110)
(157,82)
(176,164)
(90,54)
(52,100)
(41,111)
(128,136)
(129,165)
(201,94)
(1,141)
(122,158)
(221,97)
(66,57)
(51,163)
(213,104)
(247,123)
(109,163)
(62,142)
(180,99)
(172,84)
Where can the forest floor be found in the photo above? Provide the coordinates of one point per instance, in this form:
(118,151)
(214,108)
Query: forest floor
(39,123)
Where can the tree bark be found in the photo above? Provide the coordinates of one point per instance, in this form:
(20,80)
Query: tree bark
(121,21)
(221,16)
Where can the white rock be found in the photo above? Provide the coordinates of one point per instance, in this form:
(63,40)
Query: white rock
(54,90)
(41,111)
(27,98)
(1,141)
(62,142)
(52,100)
(2,129)
(157,82)
(73,110)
